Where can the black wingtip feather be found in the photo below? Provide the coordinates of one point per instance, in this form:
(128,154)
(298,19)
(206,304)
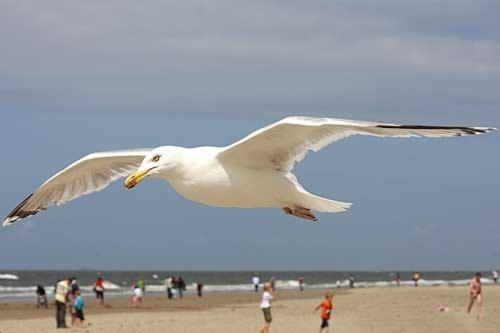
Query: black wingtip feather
(18,212)
(465,130)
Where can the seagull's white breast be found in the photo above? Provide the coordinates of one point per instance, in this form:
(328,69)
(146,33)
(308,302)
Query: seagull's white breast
(206,180)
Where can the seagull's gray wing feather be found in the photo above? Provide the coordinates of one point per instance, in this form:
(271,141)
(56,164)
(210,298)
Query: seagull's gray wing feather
(281,144)
(90,174)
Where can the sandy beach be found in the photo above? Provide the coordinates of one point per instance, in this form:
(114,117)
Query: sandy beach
(403,309)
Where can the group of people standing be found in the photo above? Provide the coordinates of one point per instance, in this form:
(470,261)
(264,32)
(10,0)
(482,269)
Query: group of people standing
(176,287)
(68,298)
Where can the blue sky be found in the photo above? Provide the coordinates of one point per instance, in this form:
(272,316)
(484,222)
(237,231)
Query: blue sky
(78,77)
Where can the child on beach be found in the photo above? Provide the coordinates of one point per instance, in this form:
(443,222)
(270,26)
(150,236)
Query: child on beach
(475,294)
(265,305)
(41,296)
(78,305)
(138,289)
(326,309)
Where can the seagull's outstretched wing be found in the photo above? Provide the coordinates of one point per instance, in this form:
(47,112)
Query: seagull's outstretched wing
(281,144)
(90,174)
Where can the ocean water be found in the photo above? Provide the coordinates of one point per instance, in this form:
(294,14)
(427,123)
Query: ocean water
(21,285)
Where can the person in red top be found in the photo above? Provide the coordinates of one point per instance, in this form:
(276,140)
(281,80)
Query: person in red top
(326,309)
(99,290)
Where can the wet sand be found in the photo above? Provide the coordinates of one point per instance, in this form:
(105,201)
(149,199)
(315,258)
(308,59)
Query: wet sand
(401,309)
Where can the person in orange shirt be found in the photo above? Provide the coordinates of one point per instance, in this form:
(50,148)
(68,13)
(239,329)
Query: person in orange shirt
(326,309)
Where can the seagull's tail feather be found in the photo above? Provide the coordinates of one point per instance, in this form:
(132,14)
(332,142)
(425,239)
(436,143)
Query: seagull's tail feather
(317,203)
(324,205)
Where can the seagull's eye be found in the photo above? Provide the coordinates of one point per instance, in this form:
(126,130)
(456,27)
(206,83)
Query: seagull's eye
(155,158)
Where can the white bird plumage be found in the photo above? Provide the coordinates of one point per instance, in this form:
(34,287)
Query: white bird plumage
(252,172)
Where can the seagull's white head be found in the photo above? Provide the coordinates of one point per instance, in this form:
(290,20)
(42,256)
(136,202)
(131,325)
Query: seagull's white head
(160,162)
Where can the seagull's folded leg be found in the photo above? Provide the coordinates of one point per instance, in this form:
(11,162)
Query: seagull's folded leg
(301,212)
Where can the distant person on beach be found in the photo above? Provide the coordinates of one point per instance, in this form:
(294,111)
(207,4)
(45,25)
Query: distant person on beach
(142,285)
(99,290)
(169,285)
(78,305)
(175,287)
(41,297)
(495,275)
(73,289)
(351,281)
(74,285)
(326,310)
(138,292)
(416,277)
(273,283)
(475,294)
(256,281)
(398,279)
(265,305)
(199,288)
(301,283)
(181,285)
(61,297)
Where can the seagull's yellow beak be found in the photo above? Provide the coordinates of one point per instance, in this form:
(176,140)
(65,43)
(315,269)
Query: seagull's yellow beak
(135,178)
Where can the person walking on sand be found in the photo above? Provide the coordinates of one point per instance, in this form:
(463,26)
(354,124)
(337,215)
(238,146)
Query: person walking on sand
(78,306)
(169,285)
(416,277)
(99,290)
(475,294)
(495,275)
(301,283)
(142,285)
(199,288)
(351,281)
(256,281)
(398,279)
(181,286)
(265,305)
(138,293)
(272,282)
(41,297)
(61,297)
(73,288)
(326,310)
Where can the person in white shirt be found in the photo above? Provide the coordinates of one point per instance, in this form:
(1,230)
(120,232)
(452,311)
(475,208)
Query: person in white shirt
(265,305)
(169,285)
(495,275)
(256,281)
(61,296)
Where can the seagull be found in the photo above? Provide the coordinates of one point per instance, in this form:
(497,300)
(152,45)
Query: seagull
(254,172)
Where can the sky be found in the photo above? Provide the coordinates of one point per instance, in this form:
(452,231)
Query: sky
(84,76)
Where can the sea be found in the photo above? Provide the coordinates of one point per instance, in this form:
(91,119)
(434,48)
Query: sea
(21,285)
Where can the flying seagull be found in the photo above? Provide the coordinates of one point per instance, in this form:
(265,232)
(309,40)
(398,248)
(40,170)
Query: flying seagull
(255,171)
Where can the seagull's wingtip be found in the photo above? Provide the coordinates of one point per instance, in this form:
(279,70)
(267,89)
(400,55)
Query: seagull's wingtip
(481,130)
(9,220)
